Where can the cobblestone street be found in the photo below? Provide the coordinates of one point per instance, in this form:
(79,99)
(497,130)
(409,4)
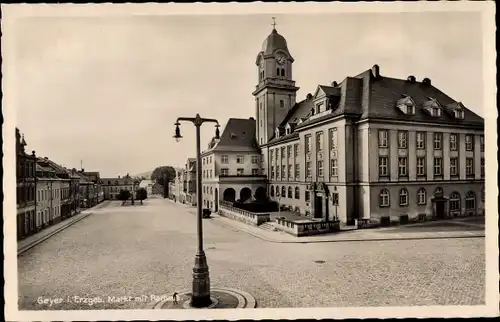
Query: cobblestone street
(149,250)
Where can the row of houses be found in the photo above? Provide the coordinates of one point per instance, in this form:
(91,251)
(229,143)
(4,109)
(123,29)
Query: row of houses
(183,188)
(48,193)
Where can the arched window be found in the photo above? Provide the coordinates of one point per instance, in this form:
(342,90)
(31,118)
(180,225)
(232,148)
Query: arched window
(211,190)
(384,198)
(283,72)
(297,193)
(272,191)
(470,201)
(283,192)
(403,197)
(277,71)
(455,202)
(421,196)
(290,192)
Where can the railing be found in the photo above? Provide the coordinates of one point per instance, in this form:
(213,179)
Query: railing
(227,210)
(307,228)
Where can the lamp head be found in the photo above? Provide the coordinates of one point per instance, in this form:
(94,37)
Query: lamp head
(217,132)
(177,135)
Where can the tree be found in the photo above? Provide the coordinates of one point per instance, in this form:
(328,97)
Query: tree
(163,175)
(141,194)
(124,195)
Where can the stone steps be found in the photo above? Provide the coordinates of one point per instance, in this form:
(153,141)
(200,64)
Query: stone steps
(268,226)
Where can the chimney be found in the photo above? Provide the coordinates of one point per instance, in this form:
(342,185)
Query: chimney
(376,71)
(426,81)
(33,153)
(309,97)
(334,84)
(251,118)
(411,79)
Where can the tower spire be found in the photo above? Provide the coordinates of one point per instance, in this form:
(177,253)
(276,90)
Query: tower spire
(274,23)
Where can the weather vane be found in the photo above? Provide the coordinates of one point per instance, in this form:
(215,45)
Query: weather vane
(274,23)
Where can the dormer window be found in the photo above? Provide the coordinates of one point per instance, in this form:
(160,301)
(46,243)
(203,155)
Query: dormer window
(277,133)
(406,105)
(432,107)
(288,129)
(319,107)
(459,114)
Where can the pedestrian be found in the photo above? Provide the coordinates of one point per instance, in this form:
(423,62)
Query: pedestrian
(174,297)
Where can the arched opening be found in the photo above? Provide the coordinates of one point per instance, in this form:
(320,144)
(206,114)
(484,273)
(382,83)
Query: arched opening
(216,200)
(260,194)
(229,195)
(245,194)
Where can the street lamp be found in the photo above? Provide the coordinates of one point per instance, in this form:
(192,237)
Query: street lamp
(278,197)
(201,281)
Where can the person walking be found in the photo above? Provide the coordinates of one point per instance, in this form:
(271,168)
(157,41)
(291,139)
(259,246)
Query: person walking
(174,297)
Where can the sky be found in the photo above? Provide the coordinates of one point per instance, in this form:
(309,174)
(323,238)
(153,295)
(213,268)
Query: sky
(107,90)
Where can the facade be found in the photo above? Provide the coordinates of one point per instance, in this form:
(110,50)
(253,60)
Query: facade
(370,146)
(25,189)
(231,167)
(190,181)
(112,186)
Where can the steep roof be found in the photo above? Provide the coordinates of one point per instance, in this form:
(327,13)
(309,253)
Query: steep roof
(238,135)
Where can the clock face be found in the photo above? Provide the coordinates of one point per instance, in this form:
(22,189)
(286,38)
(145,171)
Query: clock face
(280,59)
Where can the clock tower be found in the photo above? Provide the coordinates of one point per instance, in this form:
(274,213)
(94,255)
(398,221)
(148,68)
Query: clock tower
(275,93)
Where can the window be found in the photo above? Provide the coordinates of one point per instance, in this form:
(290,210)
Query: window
(320,168)
(204,189)
(297,171)
(203,161)
(271,156)
(470,201)
(482,168)
(290,192)
(290,172)
(437,141)
(403,167)
(319,141)
(255,172)
(403,139)
(283,171)
(255,159)
(421,197)
(453,142)
(403,197)
(319,108)
(420,140)
(420,167)
(297,193)
(468,142)
(455,202)
(483,194)
(308,196)
(239,171)
(335,198)
(283,153)
(332,134)
(296,150)
(240,159)
(308,143)
(282,104)
(333,168)
(438,166)
(384,200)
(283,192)
(481,142)
(204,173)
(282,72)
(453,166)
(211,191)
(308,169)
(272,172)
(383,167)
(436,111)
(277,71)
(272,191)
(224,172)
(289,151)
(469,166)
(225,159)
(382,139)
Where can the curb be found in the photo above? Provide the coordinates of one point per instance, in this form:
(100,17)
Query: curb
(44,238)
(345,240)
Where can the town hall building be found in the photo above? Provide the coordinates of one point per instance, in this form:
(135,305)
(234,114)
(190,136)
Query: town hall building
(367,147)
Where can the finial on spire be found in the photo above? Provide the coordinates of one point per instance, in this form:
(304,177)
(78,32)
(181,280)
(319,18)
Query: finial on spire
(274,23)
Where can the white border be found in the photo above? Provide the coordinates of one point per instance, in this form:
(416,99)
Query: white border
(12,12)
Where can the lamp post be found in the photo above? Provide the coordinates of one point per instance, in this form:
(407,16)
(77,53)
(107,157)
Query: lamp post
(278,197)
(201,281)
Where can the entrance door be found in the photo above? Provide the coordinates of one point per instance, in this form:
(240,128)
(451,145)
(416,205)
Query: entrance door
(318,207)
(440,209)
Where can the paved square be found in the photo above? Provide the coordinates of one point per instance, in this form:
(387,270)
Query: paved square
(120,257)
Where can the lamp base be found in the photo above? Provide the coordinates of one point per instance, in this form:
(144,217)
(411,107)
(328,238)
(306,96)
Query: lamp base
(201,282)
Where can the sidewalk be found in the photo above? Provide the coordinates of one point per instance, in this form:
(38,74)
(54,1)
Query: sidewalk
(375,234)
(33,240)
